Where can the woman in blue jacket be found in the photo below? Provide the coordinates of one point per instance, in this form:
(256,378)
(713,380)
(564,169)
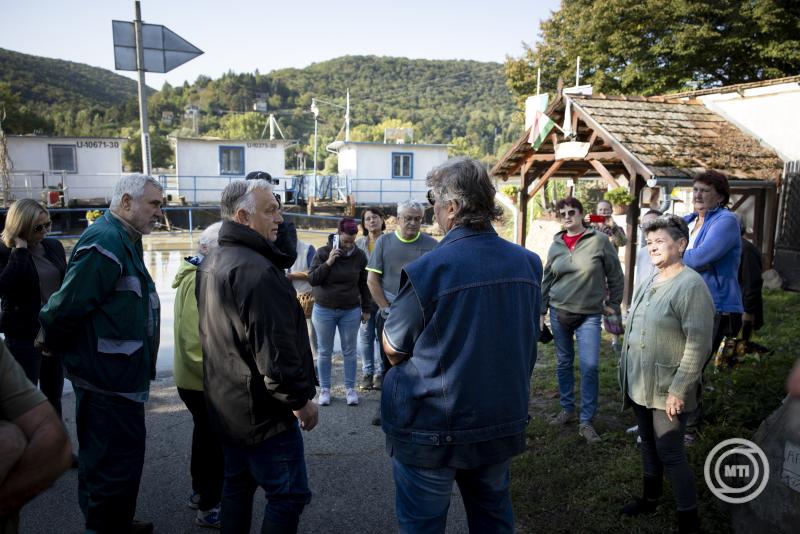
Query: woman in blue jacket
(714,251)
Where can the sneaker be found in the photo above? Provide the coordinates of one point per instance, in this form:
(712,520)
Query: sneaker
(208,518)
(378,382)
(563,418)
(366,382)
(194,501)
(587,432)
(324,397)
(352,397)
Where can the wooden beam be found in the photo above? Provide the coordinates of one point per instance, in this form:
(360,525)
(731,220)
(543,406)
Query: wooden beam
(522,215)
(575,123)
(745,196)
(602,171)
(604,156)
(592,138)
(546,176)
(554,140)
(771,218)
(637,184)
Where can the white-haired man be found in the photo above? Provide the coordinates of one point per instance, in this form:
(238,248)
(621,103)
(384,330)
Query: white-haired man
(104,322)
(259,375)
(391,253)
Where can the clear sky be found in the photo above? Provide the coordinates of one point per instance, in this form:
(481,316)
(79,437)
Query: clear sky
(244,35)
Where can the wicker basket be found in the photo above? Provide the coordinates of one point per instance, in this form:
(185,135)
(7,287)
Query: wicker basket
(307,302)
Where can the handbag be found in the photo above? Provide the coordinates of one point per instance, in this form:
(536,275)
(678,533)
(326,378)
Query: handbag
(306,302)
(545,336)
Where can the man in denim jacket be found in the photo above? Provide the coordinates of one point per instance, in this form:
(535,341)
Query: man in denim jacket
(462,334)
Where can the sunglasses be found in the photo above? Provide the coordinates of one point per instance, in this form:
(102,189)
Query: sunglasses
(568,213)
(41,227)
(431,197)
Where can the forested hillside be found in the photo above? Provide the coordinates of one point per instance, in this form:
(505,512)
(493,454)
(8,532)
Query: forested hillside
(465,103)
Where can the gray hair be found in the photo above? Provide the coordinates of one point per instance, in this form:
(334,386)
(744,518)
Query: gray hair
(239,195)
(209,239)
(675,226)
(410,204)
(133,185)
(466,182)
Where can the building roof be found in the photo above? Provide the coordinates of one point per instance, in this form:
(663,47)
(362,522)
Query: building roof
(336,145)
(221,139)
(665,137)
(736,88)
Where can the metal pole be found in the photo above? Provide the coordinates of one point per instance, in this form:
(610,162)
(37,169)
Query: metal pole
(146,167)
(578,72)
(347,119)
(538,87)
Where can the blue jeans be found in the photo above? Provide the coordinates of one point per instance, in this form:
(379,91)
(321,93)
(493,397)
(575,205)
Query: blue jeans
(422,497)
(279,467)
(366,347)
(588,336)
(326,320)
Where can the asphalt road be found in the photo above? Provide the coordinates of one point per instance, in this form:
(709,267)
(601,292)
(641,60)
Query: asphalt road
(349,473)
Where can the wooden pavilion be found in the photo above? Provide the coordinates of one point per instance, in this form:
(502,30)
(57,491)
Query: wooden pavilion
(636,141)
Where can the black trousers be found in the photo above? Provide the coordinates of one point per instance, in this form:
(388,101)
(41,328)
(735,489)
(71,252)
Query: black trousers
(207,465)
(45,371)
(111,434)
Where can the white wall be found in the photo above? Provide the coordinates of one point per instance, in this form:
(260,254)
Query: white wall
(197,165)
(371,172)
(770,113)
(98,160)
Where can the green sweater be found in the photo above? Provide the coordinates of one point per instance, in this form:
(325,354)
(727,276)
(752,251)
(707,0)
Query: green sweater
(667,341)
(576,281)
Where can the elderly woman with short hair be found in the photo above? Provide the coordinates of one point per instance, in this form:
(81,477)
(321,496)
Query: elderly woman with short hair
(32,267)
(666,343)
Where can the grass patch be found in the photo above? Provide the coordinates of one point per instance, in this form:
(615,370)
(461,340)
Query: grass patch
(562,484)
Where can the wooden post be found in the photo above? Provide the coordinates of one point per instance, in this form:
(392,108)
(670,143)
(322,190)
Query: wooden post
(631,231)
(771,218)
(522,203)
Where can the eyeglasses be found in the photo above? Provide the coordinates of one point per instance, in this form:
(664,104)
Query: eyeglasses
(278,198)
(431,197)
(568,213)
(41,227)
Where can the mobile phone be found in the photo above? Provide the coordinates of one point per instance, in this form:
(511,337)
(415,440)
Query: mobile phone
(335,242)
(597,218)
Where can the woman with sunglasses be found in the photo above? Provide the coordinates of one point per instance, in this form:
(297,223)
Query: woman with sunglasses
(666,343)
(581,262)
(373,222)
(32,268)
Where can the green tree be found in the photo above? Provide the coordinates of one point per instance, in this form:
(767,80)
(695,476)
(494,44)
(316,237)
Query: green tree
(16,117)
(660,46)
(160,152)
(240,126)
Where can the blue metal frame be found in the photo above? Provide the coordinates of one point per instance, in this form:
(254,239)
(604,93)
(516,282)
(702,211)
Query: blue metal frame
(410,166)
(222,172)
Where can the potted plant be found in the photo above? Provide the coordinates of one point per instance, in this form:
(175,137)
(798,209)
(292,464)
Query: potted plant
(511,191)
(620,199)
(92,215)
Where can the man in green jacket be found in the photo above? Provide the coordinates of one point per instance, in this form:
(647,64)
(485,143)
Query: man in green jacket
(104,322)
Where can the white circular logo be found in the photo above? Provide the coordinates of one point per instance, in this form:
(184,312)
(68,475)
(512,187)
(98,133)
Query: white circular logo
(736,470)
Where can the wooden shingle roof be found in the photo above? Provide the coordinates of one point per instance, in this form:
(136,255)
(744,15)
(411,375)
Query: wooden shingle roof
(676,138)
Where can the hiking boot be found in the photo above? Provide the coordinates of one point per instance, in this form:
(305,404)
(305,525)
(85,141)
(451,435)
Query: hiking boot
(652,489)
(366,382)
(563,418)
(194,501)
(352,397)
(324,397)
(587,432)
(378,382)
(208,518)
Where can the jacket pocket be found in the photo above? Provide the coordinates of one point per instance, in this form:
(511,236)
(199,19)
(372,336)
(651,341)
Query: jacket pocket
(124,347)
(665,374)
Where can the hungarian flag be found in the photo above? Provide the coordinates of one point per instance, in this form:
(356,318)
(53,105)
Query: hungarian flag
(542,124)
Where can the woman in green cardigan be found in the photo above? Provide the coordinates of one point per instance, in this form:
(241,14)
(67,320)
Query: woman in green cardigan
(666,343)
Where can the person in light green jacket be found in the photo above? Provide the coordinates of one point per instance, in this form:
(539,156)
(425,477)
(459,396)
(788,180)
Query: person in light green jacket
(666,343)
(207,461)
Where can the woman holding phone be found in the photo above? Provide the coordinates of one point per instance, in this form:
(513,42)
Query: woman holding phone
(338,277)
